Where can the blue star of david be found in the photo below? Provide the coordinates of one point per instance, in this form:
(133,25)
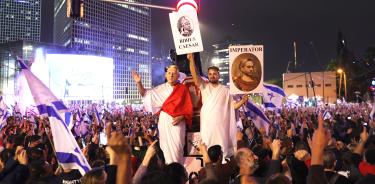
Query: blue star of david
(271,96)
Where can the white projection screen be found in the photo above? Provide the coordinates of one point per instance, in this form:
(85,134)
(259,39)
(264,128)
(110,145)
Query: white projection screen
(80,77)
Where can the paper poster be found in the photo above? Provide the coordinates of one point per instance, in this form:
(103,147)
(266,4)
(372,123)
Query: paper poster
(193,139)
(186,34)
(246,69)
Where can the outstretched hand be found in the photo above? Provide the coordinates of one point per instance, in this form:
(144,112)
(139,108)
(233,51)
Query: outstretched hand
(136,76)
(118,146)
(319,142)
(190,57)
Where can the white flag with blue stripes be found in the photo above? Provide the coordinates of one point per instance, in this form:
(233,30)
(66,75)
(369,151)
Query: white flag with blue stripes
(327,115)
(68,153)
(3,112)
(273,96)
(257,116)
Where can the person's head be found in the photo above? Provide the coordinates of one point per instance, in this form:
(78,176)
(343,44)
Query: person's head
(215,153)
(35,153)
(34,140)
(172,74)
(95,176)
(247,67)
(278,179)
(13,141)
(247,161)
(185,26)
(176,172)
(213,74)
(5,155)
(329,160)
(37,168)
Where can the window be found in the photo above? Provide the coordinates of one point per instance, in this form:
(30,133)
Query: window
(299,86)
(328,85)
(290,86)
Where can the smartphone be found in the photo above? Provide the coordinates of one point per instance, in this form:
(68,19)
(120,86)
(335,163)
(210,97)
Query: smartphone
(102,138)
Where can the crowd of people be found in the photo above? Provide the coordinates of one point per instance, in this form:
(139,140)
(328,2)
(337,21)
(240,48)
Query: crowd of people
(300,147)
(326,144)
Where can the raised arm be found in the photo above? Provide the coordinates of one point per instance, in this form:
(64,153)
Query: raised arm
(193,70)
(243,100)
(137,79)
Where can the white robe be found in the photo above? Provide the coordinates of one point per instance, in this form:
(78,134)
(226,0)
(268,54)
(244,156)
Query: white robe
(172,138)
(218,125)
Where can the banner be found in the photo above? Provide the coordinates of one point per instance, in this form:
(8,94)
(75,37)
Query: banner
(186,34)
(246,69)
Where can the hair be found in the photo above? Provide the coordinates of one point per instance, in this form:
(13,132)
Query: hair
(214,152)
(243,61)
(329,159)
(35,153)
(239,155)
(278,179)
(213,68)
(34,138)
(173,66)
(6,154)
(98,163)
(36,168)
(93,176)
(176,172)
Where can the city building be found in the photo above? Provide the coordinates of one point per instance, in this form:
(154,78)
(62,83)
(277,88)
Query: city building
(20,20)
(9,69)
(310,85)
(220,58)
(119,31)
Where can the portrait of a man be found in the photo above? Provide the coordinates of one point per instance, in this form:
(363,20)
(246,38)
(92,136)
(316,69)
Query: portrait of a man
(246,72)
(185,26)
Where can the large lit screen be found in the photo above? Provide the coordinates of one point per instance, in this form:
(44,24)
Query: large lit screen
(80,77)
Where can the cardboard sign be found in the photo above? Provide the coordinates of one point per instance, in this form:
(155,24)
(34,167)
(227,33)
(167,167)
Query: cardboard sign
(246,69)
(186,33)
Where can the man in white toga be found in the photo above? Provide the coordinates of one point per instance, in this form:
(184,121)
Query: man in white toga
(172,102)
(217,118)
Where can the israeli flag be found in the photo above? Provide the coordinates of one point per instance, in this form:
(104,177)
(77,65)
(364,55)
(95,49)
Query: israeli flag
(327,115)
(272,96)
(67,150)
(257,116)
(3,112)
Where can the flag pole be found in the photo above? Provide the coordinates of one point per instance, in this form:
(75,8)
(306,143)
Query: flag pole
(50,141)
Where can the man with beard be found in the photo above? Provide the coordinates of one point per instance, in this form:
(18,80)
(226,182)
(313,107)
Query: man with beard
(248,163)
(217,118)
(247,81)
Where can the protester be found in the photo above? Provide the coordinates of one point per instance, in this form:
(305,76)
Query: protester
(300,147)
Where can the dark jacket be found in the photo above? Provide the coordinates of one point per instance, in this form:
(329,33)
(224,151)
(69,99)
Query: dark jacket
(14,172)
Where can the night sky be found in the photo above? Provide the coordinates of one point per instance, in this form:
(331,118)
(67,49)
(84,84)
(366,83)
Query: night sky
(314,25)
